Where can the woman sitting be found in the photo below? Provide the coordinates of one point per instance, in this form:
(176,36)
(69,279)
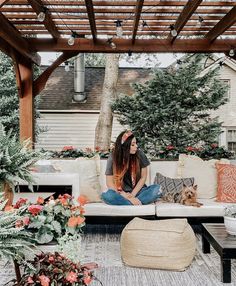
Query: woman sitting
(126,174)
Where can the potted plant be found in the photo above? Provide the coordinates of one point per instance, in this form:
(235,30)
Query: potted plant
(230,219)
(15,158)
(54,269)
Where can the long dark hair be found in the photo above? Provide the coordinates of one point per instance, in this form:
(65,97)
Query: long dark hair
(124,161)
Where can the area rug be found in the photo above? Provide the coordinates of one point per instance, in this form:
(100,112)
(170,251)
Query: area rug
(104,248)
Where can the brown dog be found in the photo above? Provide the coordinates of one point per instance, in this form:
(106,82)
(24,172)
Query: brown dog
(189,196)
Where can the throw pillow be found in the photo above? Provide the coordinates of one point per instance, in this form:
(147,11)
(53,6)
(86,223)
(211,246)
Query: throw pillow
(89,171)
(171,187)
(226,176)
(204,173)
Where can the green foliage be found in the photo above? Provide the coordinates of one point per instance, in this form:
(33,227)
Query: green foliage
(14,241)
(9,107)
(15,158)
(55,270)
(173,108)
(53,219)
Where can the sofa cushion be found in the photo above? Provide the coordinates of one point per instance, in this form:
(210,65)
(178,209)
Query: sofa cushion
(102,209)
(172,187)
(226,176)
(210,208)
(89,172)
(204,173)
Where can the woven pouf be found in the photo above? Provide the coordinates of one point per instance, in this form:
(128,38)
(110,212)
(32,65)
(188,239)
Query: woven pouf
(165,244)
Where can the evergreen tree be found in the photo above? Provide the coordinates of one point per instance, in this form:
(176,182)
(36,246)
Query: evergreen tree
(173,108)
(9,101)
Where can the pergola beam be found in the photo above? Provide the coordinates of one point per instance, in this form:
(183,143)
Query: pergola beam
(226,22)
(2,2)
(91,16)
(140,45)
(48,22)
(41,81)
(13,37)
(184,16)
(138,11)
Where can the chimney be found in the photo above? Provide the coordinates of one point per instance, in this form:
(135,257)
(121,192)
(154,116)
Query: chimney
(79,79)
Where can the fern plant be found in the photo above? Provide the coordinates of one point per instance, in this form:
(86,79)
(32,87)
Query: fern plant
(15,158)
(15,242)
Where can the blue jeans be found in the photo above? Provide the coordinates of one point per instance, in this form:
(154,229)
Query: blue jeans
(146,195)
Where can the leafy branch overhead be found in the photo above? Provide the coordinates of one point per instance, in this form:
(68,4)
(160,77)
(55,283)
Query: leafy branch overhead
(174,107)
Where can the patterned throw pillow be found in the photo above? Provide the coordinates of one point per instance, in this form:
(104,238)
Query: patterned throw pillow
(226,176)
(171,187)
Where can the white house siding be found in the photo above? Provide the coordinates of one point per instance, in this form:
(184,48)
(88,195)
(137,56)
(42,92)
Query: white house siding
(227,112)
(70,128)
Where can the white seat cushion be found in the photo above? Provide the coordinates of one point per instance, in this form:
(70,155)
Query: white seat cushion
(102,209)
(210,208)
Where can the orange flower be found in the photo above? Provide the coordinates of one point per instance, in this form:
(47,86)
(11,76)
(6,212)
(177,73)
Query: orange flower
(8,208)
(73,221)
(71,277)
(40,200)
(44,280)
(87,280)
(63,201)
(82,200)
(80,220)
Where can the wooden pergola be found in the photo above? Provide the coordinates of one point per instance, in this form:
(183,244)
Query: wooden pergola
(28,27)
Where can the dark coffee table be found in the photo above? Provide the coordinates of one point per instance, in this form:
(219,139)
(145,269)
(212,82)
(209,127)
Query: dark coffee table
(224,243)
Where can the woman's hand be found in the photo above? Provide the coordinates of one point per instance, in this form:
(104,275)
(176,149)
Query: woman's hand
(126,195)
(135,201)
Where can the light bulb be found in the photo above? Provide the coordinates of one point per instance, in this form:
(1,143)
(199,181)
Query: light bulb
(119,32)
(71,40)
(231,53)
(41,16)
(67,67)
(143,25)
(113,45)
(200,21)
(173,33)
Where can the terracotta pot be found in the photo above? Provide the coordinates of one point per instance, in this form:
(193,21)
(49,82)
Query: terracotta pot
(8,194)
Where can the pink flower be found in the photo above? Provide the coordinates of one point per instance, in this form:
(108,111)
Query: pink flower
(30,280)
(35,209)
(20,203)
(71,277)
(19,223)
(26,220)
(170,147)
(40,200)
(214,145)
(44,280)
(87,280)
(68,148)
(190,148)
(51,259)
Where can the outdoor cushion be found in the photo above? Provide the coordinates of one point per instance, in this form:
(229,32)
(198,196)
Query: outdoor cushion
(164,244)
(204,173)
(210,208)
(226,176)
(172,187)
(89,184)
(102,209)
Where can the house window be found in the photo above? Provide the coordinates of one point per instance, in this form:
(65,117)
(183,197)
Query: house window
(231,139)
(227,83)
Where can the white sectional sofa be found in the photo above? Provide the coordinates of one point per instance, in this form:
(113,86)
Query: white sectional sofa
(210,209)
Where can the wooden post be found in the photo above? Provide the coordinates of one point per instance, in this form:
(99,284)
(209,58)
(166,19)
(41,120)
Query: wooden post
(24,76)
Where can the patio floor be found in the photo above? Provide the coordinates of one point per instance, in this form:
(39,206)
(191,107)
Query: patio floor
(104,249)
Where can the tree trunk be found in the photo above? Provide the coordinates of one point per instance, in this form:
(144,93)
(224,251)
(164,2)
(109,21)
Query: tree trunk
(8,194)
(104,125)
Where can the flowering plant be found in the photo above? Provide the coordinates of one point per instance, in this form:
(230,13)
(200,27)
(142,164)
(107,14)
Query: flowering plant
(212,151)
(54,269)
(53,219)
(72,152)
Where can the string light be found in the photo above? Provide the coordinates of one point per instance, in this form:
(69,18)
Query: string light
(67,66)
(111,43)
(173,31)
(41,15)
(231,52)
(200,21)
(119,29)
(143,25)
(71,40)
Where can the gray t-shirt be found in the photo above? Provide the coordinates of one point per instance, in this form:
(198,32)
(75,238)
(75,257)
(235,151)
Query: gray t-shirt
(127,181)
